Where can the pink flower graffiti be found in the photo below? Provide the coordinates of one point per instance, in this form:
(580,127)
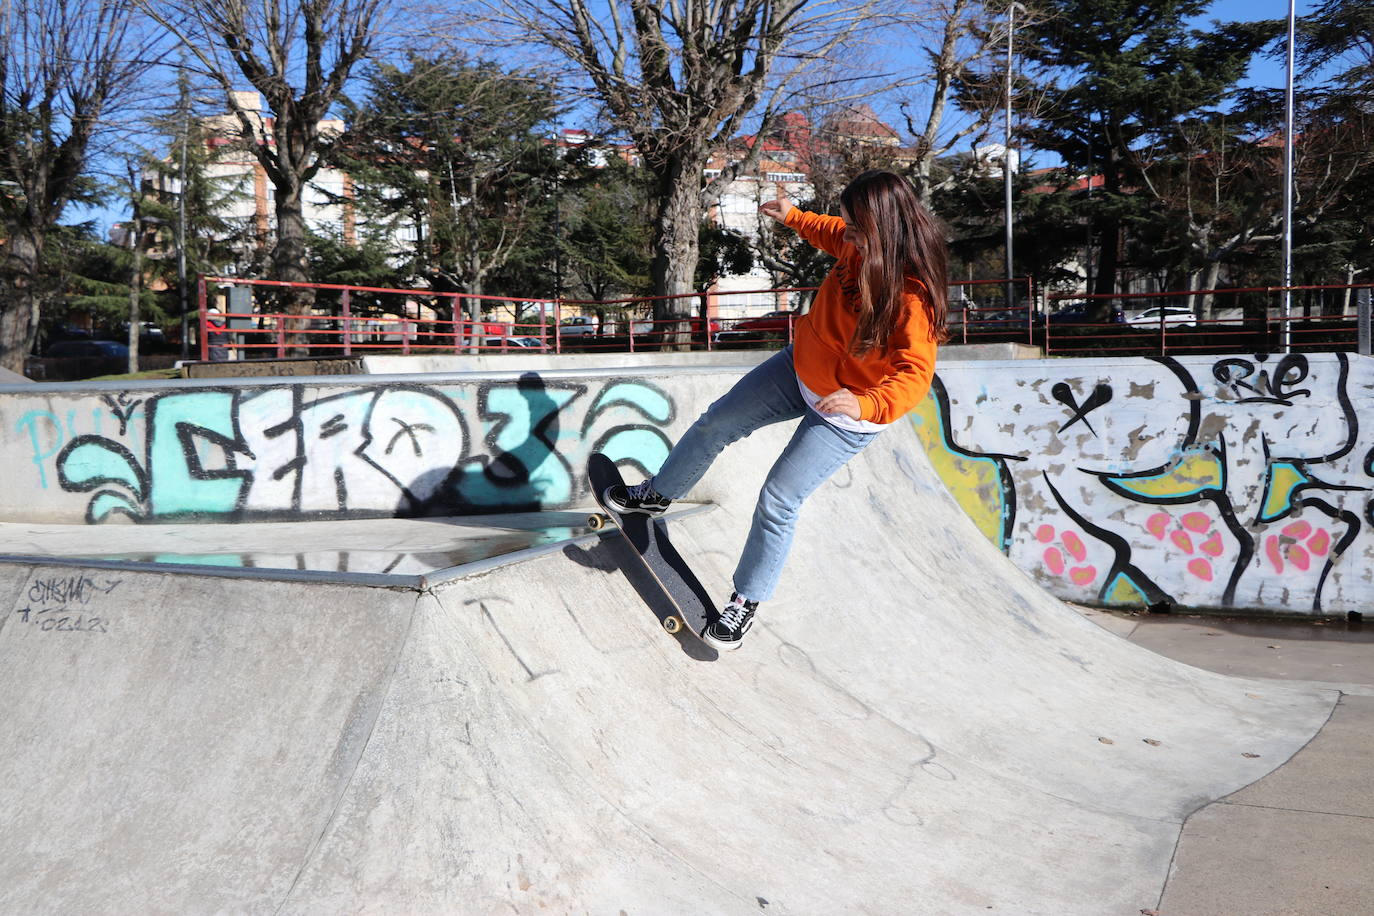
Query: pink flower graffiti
(1295,545)
(1191,524)
(1069,542)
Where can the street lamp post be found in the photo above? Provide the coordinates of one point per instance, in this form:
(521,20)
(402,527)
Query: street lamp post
(181,227)
(1006,160)
(1286,310)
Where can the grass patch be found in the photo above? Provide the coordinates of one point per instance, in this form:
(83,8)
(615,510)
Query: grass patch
(135,376)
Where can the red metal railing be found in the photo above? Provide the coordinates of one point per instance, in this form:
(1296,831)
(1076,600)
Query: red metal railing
(1232,320)
(351,319)
(992,321)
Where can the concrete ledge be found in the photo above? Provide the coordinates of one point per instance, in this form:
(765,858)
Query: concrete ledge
(958,353)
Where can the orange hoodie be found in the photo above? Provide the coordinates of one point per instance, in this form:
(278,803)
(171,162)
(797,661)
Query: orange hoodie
(887,385)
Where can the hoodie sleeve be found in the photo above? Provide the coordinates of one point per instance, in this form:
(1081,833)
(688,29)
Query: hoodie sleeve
(821,231)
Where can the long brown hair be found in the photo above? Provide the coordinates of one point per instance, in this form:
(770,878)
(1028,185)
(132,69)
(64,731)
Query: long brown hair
(901,241)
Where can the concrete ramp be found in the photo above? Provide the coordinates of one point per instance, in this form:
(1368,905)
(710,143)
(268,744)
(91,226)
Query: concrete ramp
(912,727)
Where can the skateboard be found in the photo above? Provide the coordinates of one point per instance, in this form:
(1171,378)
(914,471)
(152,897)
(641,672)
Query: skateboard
(649,538)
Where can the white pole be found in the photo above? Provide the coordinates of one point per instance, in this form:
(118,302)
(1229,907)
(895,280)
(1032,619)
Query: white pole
(1287,307)
(181,225)
(1006,163)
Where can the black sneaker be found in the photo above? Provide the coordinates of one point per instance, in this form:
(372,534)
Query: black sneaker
(727,629)
(639,498)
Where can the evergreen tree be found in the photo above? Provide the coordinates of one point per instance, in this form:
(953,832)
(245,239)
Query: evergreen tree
(451,153)
(1337,39)
(608,247)
(1114,76)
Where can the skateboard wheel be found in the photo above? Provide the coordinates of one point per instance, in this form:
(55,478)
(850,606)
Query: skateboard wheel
(672,624)
(596,521)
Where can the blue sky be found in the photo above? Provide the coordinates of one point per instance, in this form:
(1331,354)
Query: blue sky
(1264,72)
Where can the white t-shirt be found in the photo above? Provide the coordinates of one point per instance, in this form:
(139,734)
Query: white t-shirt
(839,420)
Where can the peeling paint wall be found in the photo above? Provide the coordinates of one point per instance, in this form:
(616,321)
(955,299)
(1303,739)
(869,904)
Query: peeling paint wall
(1240,482)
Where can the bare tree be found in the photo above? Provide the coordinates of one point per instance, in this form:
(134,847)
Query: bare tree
(682,77)
(963,43)
(63,65)
(298,55)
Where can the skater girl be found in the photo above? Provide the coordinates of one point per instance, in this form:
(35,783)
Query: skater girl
(861,358)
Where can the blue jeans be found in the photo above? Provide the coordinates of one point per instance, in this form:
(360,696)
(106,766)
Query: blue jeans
(768,394)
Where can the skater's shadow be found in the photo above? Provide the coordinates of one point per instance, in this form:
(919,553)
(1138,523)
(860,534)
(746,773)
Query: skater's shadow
(612,555)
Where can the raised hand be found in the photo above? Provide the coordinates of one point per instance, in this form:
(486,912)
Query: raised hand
(777,209)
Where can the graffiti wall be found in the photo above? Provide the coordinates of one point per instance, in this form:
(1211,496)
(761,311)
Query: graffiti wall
(1241,482)
(299,451)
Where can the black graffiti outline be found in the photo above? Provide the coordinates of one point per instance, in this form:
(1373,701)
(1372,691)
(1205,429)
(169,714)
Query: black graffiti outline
(407,429)
(186,433)
(1268,388)
(1352,531)
(1193,397)
(654,427)
(1213,494)
(1303,464)
(1121,552)
(122,407)
(414,506)
(1005,479)
(218,425)
(1100,396)
(85,486)
(603,406)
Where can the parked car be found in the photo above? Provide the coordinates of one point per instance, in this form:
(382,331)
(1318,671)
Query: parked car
(1081,313)
(580,326)
(1170,315)
(67,360)
(514,343)
(986,318)
(696,325)
(87,349)
(1069,314)
(772,324)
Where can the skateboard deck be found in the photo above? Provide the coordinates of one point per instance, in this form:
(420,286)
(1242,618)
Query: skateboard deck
(649,539)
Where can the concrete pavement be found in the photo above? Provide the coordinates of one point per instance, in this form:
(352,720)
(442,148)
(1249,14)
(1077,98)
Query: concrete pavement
(1299,841)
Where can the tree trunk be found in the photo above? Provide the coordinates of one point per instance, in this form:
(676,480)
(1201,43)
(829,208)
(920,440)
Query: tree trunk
(1109,229)
(19,307)
(676,246)
(135,289)
(476,330)
(1209,283)
(290,265)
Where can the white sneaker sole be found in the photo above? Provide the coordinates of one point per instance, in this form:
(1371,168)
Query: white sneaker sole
(721,644)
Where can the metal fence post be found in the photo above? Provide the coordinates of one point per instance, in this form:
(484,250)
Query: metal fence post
(1362,319)
(706,318)
(203,300)
(347,324)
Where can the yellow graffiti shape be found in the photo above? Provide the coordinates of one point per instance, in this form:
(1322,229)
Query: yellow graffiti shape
(1123,592)
(1195,472)
(975,483)
(1283,480)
